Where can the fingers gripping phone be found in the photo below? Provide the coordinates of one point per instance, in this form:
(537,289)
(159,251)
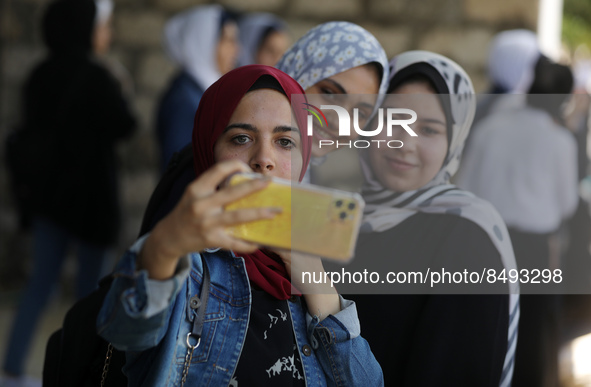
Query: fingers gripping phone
(314,220)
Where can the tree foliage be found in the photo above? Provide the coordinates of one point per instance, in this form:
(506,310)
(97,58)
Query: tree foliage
(576,23)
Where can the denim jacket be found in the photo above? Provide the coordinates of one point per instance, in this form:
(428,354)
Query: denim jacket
(150,320)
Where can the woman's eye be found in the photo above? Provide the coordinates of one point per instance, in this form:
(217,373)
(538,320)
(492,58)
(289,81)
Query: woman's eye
(429,131)
(240,139)
(328,94)
(286,143)
(363,115)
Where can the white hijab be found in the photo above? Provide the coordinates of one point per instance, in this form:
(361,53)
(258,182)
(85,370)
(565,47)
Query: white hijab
(191,38)
(386,209)
(104,10)
(512,58)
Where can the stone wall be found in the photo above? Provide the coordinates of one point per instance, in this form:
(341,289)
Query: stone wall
(460,29)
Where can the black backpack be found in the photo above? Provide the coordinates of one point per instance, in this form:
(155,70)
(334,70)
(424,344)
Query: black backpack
(75,354)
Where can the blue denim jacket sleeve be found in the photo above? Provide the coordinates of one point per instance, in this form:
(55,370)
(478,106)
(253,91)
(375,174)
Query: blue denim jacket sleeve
(344,355)
(136,310)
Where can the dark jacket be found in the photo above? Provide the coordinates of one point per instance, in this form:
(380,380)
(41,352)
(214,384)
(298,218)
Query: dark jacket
(81,104)
(176,113)
(76,112)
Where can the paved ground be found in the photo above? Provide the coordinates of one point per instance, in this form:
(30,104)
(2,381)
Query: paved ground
(52,320)
(13,275)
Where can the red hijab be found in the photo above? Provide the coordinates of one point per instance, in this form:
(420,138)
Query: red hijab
(265,269)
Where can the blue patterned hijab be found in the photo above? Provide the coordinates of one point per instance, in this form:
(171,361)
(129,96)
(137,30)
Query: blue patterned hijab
(332,48)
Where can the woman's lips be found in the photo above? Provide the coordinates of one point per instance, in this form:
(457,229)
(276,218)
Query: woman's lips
(398,164)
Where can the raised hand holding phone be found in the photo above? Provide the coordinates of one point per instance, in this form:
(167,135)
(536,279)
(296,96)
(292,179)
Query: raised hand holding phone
(314,220)
(199,220)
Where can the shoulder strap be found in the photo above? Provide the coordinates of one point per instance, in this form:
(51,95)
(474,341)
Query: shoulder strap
(200,318)
(198,322)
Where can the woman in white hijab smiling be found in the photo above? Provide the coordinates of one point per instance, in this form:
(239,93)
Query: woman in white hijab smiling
(203,42)
(416,221)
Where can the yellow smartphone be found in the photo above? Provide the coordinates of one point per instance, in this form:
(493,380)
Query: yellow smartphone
(315,220)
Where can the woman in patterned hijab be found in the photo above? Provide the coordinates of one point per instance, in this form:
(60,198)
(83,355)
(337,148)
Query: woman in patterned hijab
(416,218)
(338,58)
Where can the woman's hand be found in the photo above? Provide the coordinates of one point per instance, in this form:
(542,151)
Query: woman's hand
(199,221)
(322,298)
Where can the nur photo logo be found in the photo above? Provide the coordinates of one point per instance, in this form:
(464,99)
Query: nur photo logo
(394,117)
(315,115)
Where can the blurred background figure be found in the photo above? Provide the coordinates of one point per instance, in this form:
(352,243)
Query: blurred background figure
(74,113)
(263,38)
(524,161)
(577,119)
(577,259)
(203,42)
(512,57)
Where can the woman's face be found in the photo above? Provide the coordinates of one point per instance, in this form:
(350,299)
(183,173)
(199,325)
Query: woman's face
(228,48)
(353,88)
(272,48)
(420,158)
(260,133)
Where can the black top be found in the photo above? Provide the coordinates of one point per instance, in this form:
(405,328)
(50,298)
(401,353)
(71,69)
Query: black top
(270,356)
(77,102)
(430,339)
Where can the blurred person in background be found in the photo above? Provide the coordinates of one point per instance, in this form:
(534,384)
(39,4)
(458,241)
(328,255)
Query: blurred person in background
(204,43)
(524,161)
(576,261)
(73,107)
(511,60)
(577,257)
(263,39)
(577,114)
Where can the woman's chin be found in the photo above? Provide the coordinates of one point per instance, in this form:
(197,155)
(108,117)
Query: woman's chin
(398,184)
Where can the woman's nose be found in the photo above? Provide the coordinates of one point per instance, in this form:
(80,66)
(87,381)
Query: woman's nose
(409,142)
(262,160)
